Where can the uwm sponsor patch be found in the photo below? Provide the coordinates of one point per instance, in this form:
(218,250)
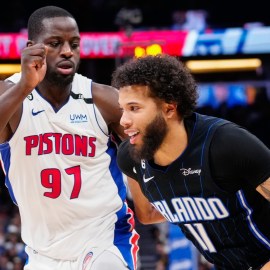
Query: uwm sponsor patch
(78,118)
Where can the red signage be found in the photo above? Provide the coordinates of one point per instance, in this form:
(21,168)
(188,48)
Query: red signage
(105,45)
(230,41)
(11,45)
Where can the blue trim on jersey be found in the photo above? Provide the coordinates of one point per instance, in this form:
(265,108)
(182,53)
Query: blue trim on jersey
(123,229)
(55,109)
(94,109)
(252,225)
(205,140)
(5,154)
(115,171)
(203,148)
(123,243)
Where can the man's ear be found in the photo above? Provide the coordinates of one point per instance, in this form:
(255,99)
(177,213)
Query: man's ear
(169,109)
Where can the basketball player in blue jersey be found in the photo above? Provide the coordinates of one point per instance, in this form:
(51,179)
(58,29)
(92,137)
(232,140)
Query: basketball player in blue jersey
(206,175)
(58,156)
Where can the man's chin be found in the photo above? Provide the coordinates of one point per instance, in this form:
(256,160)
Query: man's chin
(66,79)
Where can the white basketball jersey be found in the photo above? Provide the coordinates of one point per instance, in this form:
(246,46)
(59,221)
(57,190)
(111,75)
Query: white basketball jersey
(61,172)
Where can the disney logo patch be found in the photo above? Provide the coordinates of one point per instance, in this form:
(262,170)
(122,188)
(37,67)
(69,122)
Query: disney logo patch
(189,171)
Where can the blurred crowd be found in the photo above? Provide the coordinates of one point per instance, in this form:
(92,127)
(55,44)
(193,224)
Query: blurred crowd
(248,106)
(110,15)
(12,254)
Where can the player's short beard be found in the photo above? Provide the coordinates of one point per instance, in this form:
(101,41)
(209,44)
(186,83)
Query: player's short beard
(155,133)
(59,79)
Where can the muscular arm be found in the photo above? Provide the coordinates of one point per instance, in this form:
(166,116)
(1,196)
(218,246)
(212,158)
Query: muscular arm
(106,99)
(10,108)
(144,210)
(12,95)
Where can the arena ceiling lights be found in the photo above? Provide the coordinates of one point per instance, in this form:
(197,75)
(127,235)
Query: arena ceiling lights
(7,69)
(224,65)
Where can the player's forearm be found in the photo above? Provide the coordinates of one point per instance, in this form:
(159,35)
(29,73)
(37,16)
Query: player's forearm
(156,217)
(144,210)
(10,102)
(149,217)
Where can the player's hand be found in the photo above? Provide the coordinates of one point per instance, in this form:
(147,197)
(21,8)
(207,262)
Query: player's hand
(33,65)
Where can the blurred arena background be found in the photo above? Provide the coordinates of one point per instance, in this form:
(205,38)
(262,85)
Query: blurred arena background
(226,45)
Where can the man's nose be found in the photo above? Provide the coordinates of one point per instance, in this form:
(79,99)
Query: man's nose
(66,50)
(125,121)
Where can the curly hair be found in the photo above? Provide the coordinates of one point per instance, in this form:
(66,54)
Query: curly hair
(167,78)
(35,25)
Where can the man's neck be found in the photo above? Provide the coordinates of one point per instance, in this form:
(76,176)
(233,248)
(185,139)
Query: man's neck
(173,145)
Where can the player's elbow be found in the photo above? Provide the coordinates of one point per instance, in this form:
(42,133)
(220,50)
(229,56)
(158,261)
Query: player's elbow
(144,218)
(150,218)
(145,221)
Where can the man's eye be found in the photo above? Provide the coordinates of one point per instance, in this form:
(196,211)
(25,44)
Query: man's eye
(75,45)
(134,108)
(54,44)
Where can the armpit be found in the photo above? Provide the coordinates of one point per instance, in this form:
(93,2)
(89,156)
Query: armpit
(6,134)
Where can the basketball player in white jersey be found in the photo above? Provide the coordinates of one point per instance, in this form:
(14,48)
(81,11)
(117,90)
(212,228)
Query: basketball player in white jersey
(58,156)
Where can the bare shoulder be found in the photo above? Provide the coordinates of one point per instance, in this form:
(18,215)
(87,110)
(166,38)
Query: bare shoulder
(105,97)
(101,90)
